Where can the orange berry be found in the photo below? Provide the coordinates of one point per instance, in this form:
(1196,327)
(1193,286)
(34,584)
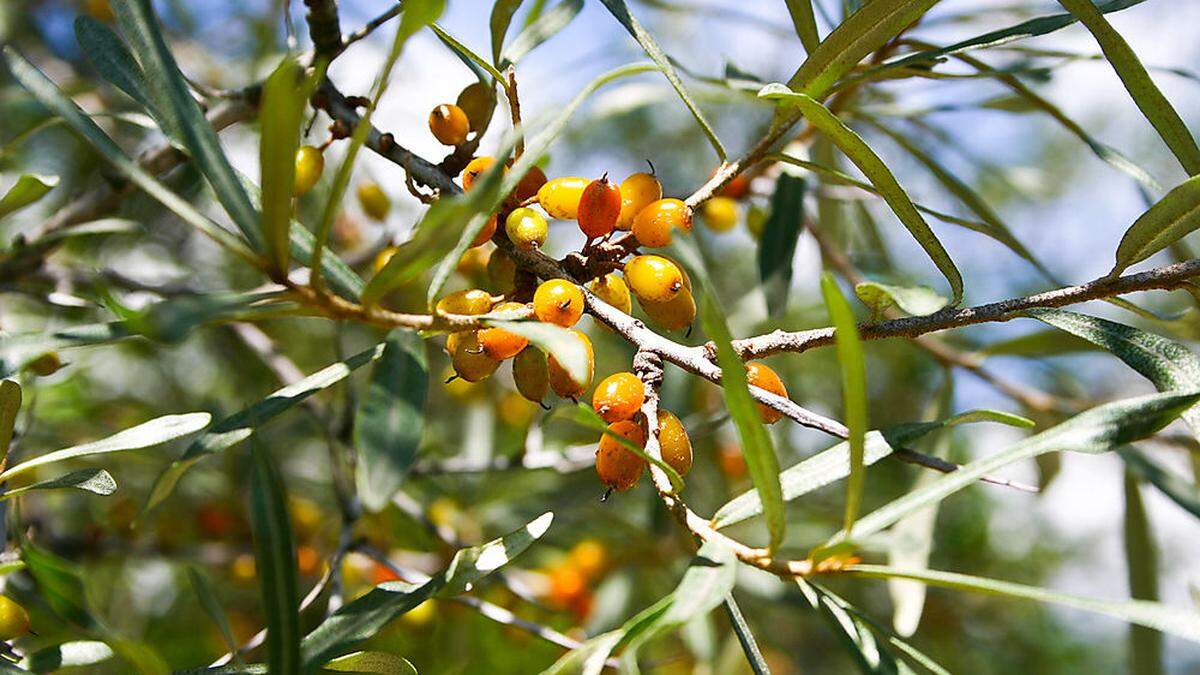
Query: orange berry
(470,362)
(673,442)
(566,584)
(654,224)
(619,397)
(759,375)
(736,188)
(474,169)
(617,466)
(561,382)
(531,374)
(530,183)
(502,271)
(588,557)
(599,207)
(449,124)
(560,197)
(678,313)
(499,343)
(731,461)
(485,234)
(653,278)
(637,192)
(558,301)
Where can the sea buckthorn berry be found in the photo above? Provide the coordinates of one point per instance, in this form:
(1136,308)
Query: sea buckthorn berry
(655,223)
(474,169)
(756,219)
(473,261)
(374,201)
(678,313)
(653,278)
(561,382)
(637,192)
(477,100)
(310,163)
(449,124)
(502,271)
(588,557)
(452,341)
(472,301)
(736,188)
(759,375)
(619,397)
(485,234)
(530,183)
(720,214)
(611,288)
(14,621)
(526,228)
(531,375)
(599,207)
(731,461)
(618,467)
(470,361)
(558,301)
(381,259)
(499,343)
(560,196)
(673,442)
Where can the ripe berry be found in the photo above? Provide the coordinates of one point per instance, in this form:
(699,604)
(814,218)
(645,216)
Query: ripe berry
(470,361)
(477,101)
(374,201)
(611,288)
(737,188)
(731,461)
(310,163)
(637,192)
(474,169)
(599,207)
(560,197)
(485,234)
(449,124)
(558,301)
(502,271)
(588,557)
(502,344)
(530,183)
(759,375)
(678,313)
(473,261)
(530,374)
(526,228)
(654,224)
(561,382)
(653,278)
(756,219)
(617,466)
(14,621)
(619,397)
(472,301)
(720,214)
(673,442)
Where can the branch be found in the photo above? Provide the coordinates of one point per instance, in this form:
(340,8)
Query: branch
(324,28)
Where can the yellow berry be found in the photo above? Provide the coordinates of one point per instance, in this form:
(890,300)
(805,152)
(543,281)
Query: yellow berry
(474,169)
(756,219)
(531,374)
(502,271)
(471,302)
(611,288)
(526,228)
(618,467)
(720,214)
(470,361)
(449,124)
(560,380)
(558,301)
(588,557)
(653,278)
(673,442)
(14,621)
(678,313)
(381,259)
(514,410)
(374,201)
(619,397)
(637,192)
(655,223)
(473,261)
(499,343)
(759,375)
(560,196)
(310,163)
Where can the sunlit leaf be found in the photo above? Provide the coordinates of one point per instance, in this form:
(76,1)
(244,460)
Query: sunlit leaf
(805,23)
(1170,219)
(281,113)
(67,655)
(472,564)
(545,27)
(372,662)
(501,19)
(912,300)
(10,405)
(28,189)
(96,481)
(113,60)
(1182,491)
(567,349)
(854,390)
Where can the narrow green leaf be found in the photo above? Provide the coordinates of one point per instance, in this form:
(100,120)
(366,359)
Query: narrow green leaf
(873,167)
(60,586)
(1182,491)
(16,351)
(362,618)
(1170,219)
(10,405)
(28,189)
(1095,431)
(146,435)
(861,33)
(620,11)
(777,246)
(870,655)
(912,300)
(757,447)
(112,59)
(480,65)
(237,427)
(1171,620)
(501,19)
(275,558)
(96,481)
(1141,559)
(390,419)
(805,23)
(75,654)
(854,390)
(472,564)
(545,27)
(372,662)
(212,607)
(281,113)
(1148,97)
